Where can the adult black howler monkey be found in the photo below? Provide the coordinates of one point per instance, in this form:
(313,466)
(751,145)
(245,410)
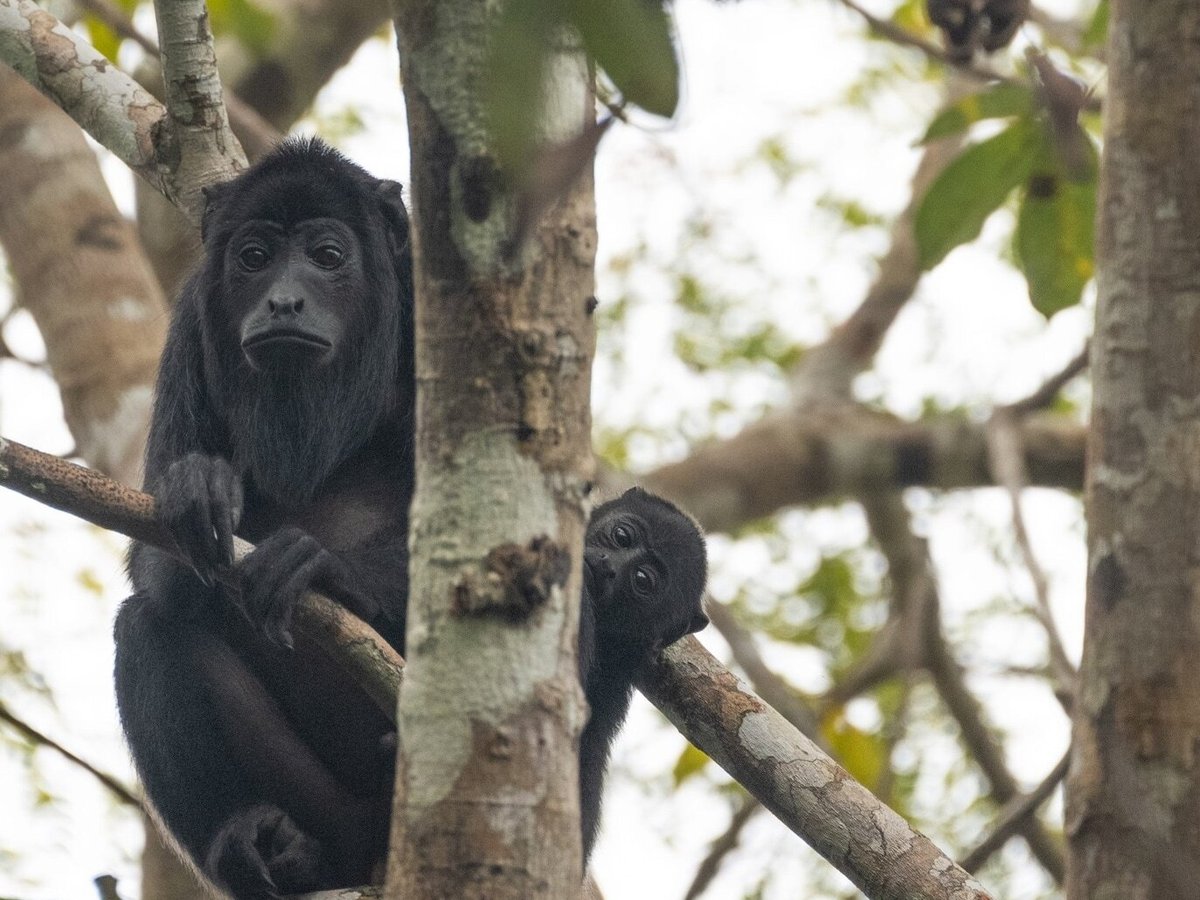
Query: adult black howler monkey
(284,414)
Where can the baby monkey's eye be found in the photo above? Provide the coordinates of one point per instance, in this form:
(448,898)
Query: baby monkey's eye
(622,537)
(643,580)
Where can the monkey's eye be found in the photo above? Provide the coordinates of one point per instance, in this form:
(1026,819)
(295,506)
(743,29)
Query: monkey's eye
(643,580)
(622,537)
(327,256)
(253,258)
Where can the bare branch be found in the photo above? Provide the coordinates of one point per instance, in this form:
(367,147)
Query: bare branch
(821,455)
(256,133)
(1005,453)
(919,610)
(769,686)
(790,775)
(1014,814)
(722,847)
(120,791)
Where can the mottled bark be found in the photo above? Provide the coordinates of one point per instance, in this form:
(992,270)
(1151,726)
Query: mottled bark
(868,842)
(107,103)
(1133,798)
(487,792)
(208,151)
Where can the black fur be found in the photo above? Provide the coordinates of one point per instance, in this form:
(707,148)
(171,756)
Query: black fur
(284,415)
(266,762)
(644,574)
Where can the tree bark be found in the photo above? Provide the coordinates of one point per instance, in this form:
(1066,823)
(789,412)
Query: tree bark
(1133,798)
(487,785)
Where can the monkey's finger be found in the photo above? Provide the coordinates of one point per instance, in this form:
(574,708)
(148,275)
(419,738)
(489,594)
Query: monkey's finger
(278,621)
(222,519)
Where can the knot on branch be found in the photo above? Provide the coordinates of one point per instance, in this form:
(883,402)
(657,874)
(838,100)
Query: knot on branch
(517,580)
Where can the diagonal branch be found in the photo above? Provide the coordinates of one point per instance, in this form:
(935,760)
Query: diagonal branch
(816,798)
(120,791)
(107,103)
(98,499)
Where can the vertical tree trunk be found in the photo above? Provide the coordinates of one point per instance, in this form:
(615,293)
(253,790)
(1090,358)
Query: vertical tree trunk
(487,795)
(1133,800)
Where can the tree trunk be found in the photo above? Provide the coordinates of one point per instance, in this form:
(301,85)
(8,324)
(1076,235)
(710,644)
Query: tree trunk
(487,793)
(1133,799)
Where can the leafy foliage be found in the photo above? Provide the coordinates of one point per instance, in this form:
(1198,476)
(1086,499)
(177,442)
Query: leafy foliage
(1056,207)
(630,40)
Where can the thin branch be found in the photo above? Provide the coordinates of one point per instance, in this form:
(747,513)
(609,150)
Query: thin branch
(897,35)
(1006,459)
(120,791)
(722,847)
(1048,390)
(816,798)
(913,578)
(1005,452)
(1014,814)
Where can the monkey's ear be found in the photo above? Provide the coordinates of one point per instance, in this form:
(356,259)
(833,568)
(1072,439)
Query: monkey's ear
(391,203)
(214,196)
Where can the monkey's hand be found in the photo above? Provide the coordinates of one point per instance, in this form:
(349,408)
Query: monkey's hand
(275,576)
(261,854)
(200,503)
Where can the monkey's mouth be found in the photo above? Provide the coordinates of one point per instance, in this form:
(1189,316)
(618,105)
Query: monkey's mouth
(281,338)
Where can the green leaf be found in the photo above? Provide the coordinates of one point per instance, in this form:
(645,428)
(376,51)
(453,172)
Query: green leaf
(691,762)
(973,187)
(1000,101)
(1054,240)
(250,24)
(517,67)
(631,41)
(1097,30)
(102,37)
(862,754)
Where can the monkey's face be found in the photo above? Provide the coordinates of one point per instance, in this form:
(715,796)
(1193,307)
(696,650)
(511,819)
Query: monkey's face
(295,289)
(644,568)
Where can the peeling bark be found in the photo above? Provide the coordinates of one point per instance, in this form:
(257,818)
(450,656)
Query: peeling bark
(1133,796)
(208,151)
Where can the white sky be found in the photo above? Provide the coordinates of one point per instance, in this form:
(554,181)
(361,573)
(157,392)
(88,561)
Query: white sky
(754,70)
